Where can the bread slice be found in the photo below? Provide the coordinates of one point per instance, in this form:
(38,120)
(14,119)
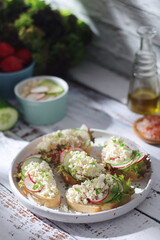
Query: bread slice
(93,208)
(47,202)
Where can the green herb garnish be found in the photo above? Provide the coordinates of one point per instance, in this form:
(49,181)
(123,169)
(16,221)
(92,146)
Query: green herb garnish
(35,187)
(59,134)
(121,143)
(74,170)
(92,163)
(77,189)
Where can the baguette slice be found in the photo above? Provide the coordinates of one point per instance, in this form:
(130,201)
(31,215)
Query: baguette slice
(93,208)
(47,202)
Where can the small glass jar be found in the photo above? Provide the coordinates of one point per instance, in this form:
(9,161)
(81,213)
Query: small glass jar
(144,88)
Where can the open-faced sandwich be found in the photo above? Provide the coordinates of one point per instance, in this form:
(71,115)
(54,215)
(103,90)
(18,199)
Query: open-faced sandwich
(36,178)
(121,159)
(53,144)
(102,193)
(77,166)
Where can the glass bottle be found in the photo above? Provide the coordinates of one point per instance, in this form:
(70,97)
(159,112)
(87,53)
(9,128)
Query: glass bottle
(144,89)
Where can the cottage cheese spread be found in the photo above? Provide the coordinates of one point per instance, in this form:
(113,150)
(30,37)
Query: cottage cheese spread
(61,137)
(81,165)
(41,173)
(115,151)
(90,189)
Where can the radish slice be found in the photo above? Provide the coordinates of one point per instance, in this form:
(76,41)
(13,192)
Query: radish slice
(101,200)
(84,127)
(31,185)
(41,97)
(40,89)
(35,96)
(62,155)
(31,179)
(125,165)
(141,159)
(76,149)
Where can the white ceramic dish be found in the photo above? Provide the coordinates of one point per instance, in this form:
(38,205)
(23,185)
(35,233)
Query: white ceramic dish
(142,188)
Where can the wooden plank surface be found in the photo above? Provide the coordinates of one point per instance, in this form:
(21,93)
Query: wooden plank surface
(17,222)
(97,111)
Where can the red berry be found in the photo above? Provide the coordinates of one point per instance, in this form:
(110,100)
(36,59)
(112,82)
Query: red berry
(11,64)
(24,55)
(6,50)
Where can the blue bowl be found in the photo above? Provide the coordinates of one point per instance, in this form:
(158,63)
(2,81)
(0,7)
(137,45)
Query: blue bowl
(42,112)
(9,80)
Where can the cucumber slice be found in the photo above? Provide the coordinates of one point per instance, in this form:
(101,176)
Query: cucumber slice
(53,87)
(26,162)
(85,136)
(113,192)
(8,116)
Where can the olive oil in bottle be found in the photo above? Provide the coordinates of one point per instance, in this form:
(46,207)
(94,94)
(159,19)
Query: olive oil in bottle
(144,88)
(143,101)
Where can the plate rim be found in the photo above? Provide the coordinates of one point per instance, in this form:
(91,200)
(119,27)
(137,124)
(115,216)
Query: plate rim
(36,208)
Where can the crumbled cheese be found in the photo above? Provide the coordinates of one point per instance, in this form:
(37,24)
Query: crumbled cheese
(81,165)
(91,189)
(42,174)
(60,137)
(115,151)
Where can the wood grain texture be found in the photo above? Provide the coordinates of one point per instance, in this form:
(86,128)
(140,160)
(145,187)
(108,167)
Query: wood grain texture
(19,223)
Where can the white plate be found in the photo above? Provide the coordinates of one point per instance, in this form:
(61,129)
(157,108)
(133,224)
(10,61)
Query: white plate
(142,188)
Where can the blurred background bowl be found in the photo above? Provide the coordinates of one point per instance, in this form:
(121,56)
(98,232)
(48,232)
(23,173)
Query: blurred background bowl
(42,112)
(9,80)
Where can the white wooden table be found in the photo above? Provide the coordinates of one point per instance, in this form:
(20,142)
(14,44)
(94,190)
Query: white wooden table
(97,111)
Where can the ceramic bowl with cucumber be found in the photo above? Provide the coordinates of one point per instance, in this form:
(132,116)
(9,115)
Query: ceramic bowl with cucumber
(42,100)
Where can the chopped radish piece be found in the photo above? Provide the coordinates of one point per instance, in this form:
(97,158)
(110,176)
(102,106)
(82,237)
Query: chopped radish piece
(101,200)
(40,89)
(31,185)
(35,96)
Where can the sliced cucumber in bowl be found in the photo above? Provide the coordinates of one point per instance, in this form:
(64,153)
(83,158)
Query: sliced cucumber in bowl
(53,88)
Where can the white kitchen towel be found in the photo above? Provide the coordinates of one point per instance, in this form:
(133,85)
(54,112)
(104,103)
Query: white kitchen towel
(9,148)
